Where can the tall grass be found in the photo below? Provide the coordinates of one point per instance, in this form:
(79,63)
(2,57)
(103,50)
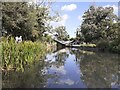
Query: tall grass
(17,55)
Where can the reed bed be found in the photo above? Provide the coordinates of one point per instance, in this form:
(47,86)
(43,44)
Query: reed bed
(17,55)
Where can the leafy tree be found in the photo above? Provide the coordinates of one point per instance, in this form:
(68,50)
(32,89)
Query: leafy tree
(15,19)
(29,20)
(101,26)
(62,33)
(98,24)
(79,35)
(44,18)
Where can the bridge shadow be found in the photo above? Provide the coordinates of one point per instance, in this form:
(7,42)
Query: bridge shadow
(59,47)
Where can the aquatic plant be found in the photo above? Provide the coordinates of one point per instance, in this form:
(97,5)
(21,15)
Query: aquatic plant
(17,55)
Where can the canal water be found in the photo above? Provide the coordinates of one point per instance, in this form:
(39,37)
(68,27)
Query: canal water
(68,68)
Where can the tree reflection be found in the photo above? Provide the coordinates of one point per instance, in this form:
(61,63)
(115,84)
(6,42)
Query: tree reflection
(79,54)
(32,77)
(99,70)
(60,57)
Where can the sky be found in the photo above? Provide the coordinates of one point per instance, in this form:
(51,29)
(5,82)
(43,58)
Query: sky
(72,12)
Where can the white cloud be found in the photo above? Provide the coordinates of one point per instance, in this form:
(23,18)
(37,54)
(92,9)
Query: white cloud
(114,7)
(80,18)
(59,70)
(67,81)
(70,7)
(64,18)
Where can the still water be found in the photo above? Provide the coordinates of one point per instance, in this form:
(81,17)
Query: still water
(68,68)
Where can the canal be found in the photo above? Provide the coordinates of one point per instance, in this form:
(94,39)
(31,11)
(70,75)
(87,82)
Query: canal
(68,68)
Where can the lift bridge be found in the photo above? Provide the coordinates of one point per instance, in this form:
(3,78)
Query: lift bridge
(60,43)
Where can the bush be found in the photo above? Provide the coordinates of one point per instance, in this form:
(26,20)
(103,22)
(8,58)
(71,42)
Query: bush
(111,46)
(103,45)
(17,55)
(114,47)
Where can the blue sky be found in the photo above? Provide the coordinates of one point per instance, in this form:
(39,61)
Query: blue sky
(72,12)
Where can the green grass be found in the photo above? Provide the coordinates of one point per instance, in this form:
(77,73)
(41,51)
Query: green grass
(87,52)
(88,45)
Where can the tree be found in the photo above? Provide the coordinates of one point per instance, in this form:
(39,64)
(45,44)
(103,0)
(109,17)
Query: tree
(44,18)
(28,20)
(15,19)
(98,24)
(79,35)
(101,26)
(62,33)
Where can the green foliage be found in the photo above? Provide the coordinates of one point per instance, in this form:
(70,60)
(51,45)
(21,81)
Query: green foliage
(79,35)
(100,26)
(114,46)
(15,19)
(103,45)
(48,39)
(62,33)
(98,23)
(27,20)
(17,55)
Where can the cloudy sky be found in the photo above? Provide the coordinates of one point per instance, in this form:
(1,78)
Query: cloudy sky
(71,13)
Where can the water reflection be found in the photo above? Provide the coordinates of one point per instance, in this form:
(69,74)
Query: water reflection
(32,77)
(102,72)
(71,68)
(99,70)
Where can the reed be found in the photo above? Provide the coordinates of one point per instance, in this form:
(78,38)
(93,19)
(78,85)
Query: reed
(17,55)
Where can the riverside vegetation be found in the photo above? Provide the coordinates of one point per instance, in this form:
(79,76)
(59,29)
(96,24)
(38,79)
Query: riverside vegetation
(29,21)
(100,26)
(17,55)
(31,63)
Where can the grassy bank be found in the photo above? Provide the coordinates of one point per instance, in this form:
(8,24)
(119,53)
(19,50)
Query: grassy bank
(88,45)
(104,47)
(17,55)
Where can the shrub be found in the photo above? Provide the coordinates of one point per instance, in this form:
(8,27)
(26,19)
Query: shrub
(103,45)
(114,47)
(111,46)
